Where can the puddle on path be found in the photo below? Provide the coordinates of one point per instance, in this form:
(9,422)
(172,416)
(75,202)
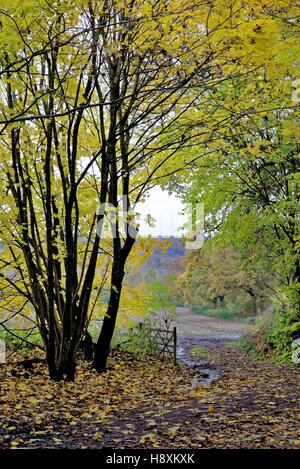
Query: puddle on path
(206,374)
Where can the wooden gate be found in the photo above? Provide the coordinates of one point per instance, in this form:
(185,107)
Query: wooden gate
(163,342)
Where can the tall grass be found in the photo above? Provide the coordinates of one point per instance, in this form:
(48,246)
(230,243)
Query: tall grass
(229,312)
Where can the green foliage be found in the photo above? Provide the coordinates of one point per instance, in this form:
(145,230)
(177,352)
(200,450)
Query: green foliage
(201,353)
(221,312)
(272,337)
(161,297)
(281,335)
(248,180)
(218,273)
(250,348)
(160,301)
(234,344)
(22,340)
(135,341)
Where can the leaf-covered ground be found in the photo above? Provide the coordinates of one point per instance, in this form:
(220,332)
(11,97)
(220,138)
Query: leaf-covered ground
(145,403)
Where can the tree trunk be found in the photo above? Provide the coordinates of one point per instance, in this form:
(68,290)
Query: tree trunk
(70,369)
(63,367)
(52,368)
(104,340)
(251,292)
(87,347)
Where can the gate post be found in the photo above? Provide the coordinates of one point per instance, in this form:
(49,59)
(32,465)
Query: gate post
(175,345)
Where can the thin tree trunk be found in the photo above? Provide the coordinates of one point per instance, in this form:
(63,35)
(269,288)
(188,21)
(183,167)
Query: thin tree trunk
(64,368)
(109,322)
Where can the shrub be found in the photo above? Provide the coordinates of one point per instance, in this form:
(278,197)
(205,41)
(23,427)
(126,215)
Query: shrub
(21,341)
(135,341)
(272,336)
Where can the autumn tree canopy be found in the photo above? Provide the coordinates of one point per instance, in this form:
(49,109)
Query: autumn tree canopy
(249,182)
(99,101)
(218,274)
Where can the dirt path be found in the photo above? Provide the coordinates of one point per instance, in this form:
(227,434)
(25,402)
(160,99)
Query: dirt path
(208,328)
(232,401)
(251,403)
(224,399)
(200,332)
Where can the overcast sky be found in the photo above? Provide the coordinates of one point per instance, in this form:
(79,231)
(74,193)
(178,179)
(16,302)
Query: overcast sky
(167,211)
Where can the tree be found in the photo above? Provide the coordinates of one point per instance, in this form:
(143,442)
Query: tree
(89,92)
(217,273)
(250,181)
(251,191)
(47,220)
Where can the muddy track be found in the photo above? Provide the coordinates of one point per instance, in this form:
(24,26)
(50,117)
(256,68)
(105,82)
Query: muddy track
(208,329)
(208,333)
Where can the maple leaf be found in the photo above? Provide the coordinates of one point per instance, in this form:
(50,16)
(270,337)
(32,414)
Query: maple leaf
(97,436)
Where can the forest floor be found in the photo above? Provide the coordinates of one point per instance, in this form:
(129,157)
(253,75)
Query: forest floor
(222,399)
